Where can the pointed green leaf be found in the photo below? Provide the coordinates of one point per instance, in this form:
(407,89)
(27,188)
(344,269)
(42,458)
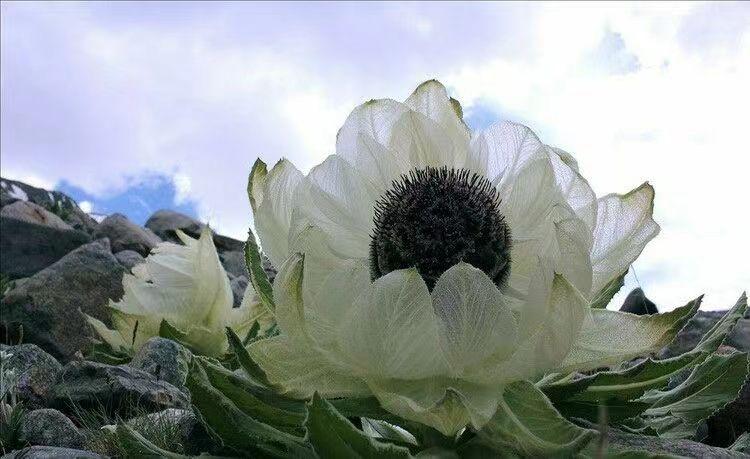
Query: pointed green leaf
(243,357)
(676,413)
(605,295)
(332,435)
(580,395)
(257,402)
(236,429)
(258,277)
(137,446)
(527,422)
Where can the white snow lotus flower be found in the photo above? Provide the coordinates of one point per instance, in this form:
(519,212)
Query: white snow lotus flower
(185,285)
(431,266)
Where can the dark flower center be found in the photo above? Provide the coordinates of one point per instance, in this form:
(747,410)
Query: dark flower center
(433,218)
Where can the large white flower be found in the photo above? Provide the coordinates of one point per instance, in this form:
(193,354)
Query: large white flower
(185,285)
(430,265)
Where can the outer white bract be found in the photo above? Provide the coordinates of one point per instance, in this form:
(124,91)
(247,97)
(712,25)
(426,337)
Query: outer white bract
(185,285)
(443,357)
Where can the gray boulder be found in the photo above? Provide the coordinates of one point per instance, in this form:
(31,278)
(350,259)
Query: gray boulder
(164,223)
(48,427)
(120,390)
(234,263)
(626,441)
(165,359)
(36,372)
(637,303)
(28,248)
(51,452)
(47,304)
(56,202)
(126,235)
(129,258)
(33,213)
(238,284)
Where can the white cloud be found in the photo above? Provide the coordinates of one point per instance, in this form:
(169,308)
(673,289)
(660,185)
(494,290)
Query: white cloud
(97,94)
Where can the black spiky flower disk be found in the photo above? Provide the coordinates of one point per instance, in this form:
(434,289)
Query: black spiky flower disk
(433,218)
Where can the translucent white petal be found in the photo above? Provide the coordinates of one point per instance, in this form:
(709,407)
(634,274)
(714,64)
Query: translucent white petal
(425,143)
(287,294)
(624,225)
(299,371)
(391,330)
(611,337)
(446,405)
(548,326)
(573,187)
(431,99)
(474,322)
(425,401)
(272,199)
(340,201)
(500,151)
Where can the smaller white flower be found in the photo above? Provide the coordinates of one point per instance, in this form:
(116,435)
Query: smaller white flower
(185,285)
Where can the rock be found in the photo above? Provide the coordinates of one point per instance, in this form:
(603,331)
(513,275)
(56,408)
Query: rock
(637,303)
(165,222)
(36,371)
(51,452)
(33,213)
(238,284)
(234,263)
(56,202)
(192,435)
(126,235)
(622,440)
(165,359)
(129,258)
(694,330)
(47,304)
(120,390)
(48,427)
(28,248)
(269,269)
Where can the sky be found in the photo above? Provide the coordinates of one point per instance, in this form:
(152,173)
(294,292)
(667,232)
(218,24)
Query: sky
(131,107)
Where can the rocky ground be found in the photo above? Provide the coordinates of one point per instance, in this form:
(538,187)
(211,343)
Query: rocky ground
(58,262)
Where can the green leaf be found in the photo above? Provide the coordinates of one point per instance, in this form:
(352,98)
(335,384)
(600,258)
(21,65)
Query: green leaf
(103,353)
(580,396)
(236,429)
(136,445)
(526,422)
(605,295)
(258,277)
(332,435)
(677,413)
(257,402)
(243,357)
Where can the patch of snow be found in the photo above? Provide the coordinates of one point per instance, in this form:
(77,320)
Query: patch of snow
(3,184)
(86,206)
(98,217)
(18,193)
(51,196)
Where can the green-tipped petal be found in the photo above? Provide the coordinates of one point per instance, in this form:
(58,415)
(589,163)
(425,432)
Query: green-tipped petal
(611,337)
(300,371)
(271,195)
(624,225)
